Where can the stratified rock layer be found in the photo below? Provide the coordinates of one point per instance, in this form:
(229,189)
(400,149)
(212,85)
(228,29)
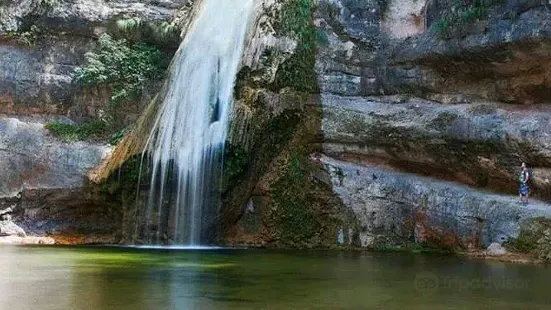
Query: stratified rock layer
(43,182)
(397,208)
(481,145)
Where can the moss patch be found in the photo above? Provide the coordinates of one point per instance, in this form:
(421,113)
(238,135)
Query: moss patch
(236,161)
(296,21)
(295,222)
(462,14)
(68,132)
(159,33)
(534,238)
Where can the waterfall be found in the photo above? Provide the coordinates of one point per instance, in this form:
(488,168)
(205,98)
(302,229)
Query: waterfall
(185,147)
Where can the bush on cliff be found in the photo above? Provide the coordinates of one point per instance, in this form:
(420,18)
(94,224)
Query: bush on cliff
(68,132)
(295,21)
(125,68)
(461,14)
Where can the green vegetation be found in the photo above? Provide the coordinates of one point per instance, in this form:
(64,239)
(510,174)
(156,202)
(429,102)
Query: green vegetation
(123,185)
(521,244)
(125,68)
(68,132)
(296,223)
(411,247)
(97,129)
(236,161)
(297,72)
(160,33)
(116,137)
(27,37)
(534,238)
(461,14)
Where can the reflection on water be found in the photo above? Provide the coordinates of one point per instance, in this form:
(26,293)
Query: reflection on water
(44,278)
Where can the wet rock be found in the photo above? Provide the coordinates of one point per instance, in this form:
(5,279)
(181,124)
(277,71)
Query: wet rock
(495,249)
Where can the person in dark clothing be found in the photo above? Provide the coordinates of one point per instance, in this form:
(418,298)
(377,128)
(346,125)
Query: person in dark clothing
(524,178)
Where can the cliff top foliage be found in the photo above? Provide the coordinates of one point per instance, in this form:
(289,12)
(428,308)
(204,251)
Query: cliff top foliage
(125,67)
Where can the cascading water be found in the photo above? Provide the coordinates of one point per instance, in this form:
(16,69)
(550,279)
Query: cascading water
(186,144)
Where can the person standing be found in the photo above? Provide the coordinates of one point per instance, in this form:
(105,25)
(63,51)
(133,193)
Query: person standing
(524,178)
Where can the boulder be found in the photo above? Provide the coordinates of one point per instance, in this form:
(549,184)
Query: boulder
(31,158)
(9,228)
(495,249)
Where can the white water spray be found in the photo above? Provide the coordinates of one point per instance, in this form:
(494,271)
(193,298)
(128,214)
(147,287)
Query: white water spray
(186,144)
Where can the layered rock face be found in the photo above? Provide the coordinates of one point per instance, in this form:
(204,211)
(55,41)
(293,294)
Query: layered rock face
(409,106)
(423,128)
(44,182)
(44,41)
(422,116)
(396,208)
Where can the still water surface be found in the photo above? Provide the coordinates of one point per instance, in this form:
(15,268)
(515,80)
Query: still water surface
(55,278)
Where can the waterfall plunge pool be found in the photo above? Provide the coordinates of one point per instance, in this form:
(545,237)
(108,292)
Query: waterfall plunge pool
(53,278)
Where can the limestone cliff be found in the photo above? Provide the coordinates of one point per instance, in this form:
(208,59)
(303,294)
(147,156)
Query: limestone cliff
(356,123)
(434,93)
(44,185)
(428,109)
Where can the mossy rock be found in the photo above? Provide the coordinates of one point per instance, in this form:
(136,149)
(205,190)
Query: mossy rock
(534,237)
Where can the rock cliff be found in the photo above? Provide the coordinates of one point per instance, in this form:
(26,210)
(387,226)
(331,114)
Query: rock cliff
(428,109)
(356,123)
(44,180)
(418,93)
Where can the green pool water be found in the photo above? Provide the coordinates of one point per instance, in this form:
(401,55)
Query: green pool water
(65,278)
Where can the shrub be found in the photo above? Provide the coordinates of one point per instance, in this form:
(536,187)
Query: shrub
(68,132)
(462,14)
(443,27)
(26,37)
(126,68)
(161,33)
(295,21)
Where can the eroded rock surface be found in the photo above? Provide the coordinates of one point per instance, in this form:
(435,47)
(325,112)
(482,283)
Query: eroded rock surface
(396,208)
(478,144)
(43,181)
(33,159)
(42,42)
